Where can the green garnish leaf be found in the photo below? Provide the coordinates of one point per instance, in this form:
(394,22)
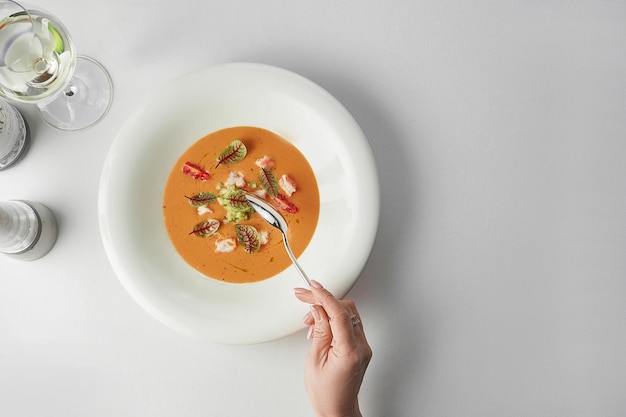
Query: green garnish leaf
(235,203)
(237,200)
(206,228)
(248,237)
(234,153)
(202,199)
(268,181)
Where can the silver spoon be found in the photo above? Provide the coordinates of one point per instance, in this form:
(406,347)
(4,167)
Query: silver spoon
(273,217)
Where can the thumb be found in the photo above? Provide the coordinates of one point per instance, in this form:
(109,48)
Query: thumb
(322,334)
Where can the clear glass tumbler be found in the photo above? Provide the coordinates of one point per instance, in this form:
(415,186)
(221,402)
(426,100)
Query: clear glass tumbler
(28,230)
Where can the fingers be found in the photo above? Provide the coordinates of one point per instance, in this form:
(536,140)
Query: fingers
(339,315)
(345,321)
(322,334)
(304,295)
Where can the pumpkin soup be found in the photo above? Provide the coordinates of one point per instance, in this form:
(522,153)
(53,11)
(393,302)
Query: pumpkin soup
(210,222)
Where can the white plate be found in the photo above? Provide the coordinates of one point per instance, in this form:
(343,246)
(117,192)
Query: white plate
(148,146)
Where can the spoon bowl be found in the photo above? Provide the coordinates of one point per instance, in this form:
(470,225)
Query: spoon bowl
(275,219)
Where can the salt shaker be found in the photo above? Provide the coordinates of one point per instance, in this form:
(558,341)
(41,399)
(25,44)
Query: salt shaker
(28,229)
(14,137)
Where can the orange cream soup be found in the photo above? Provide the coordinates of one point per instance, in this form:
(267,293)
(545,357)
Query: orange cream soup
(180,217)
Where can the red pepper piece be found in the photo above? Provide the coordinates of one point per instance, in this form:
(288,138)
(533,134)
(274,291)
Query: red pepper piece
(195,171)
(285,204)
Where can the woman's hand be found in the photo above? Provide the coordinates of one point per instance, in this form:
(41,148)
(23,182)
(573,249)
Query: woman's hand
(339,353)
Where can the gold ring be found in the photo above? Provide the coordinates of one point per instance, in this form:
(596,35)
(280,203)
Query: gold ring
(355,320)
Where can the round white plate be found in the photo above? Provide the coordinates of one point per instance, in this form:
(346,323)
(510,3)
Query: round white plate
(149,144)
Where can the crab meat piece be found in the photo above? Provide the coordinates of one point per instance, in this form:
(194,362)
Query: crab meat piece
(204,210)
(264,237)
(195,171)
(265,162)
(236,179)
(261,193)
(287,184)
(284,204)
(225,245)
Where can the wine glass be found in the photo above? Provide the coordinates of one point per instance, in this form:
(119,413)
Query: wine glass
(39,64)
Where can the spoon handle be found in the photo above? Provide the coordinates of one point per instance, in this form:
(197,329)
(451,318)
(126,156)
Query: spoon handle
(296,264)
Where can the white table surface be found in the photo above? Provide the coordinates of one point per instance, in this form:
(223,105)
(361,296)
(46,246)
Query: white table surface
(497,284)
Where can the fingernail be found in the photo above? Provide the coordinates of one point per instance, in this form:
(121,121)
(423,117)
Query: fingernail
(316,284)
(315,313)
(300,290)
(306,317)
(309,334)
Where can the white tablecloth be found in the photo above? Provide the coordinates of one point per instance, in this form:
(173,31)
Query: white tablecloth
(497,284)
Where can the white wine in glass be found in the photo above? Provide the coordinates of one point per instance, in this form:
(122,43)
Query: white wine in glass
(39,64)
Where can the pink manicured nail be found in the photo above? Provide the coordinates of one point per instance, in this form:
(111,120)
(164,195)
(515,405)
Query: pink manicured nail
(315,313)
(306,317)
(300,290)
(309,334)
(316,284)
